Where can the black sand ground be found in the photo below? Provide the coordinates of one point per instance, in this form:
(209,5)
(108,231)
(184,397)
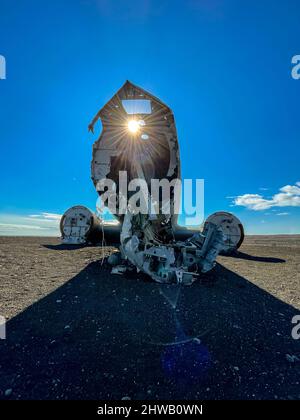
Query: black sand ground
(75,331)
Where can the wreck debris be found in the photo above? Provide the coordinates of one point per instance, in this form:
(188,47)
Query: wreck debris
(232,229)
(79,225)
(172,262)
(119,269)
(139,137)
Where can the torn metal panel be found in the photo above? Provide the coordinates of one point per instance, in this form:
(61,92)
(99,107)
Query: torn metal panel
(172,262)
(232,229)
(79,225)
(150,152)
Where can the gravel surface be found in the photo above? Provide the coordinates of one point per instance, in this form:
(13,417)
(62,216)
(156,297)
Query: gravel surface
(75,331)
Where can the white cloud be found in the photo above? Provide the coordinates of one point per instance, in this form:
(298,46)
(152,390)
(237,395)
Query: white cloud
(291,189)
(282,214)
(46,216)
(252,201)
(10,226)
(42,224)
(289,196)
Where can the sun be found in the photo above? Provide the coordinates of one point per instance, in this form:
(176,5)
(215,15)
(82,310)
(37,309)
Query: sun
(133,126)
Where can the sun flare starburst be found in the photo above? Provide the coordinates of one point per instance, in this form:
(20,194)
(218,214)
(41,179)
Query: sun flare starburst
(133,126)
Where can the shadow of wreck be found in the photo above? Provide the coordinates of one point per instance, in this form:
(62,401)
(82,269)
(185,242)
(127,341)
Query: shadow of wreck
(103,336)
(244,256)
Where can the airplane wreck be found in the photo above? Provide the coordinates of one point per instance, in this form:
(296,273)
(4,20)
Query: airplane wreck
(139,137)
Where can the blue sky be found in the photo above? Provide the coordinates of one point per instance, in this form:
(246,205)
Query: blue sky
(223,66)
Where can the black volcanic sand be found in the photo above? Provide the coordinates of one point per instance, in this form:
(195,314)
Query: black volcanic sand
(75,331)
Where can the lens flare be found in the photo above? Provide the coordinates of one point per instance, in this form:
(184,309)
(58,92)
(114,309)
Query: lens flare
(133,126)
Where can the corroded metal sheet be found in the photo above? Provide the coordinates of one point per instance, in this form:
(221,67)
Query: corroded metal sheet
(151,152)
